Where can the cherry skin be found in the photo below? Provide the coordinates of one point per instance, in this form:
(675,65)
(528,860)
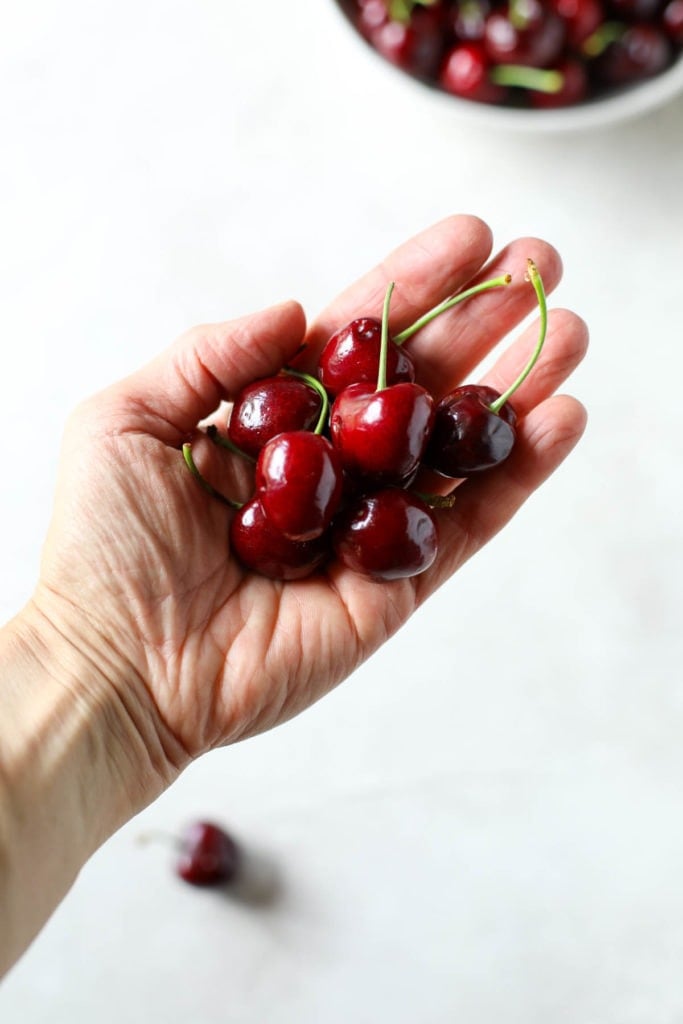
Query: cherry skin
(390,534)
(672,21)
(640,52)
(524,33)
(381,434)
(268,407)
(209,856)
(351,356)
(465,73)
(299,483)
(414,45)
(467,438)
(574,87)
(259,546)
(581,18)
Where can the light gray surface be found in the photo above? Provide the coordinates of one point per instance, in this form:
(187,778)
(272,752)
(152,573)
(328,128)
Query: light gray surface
(485,823)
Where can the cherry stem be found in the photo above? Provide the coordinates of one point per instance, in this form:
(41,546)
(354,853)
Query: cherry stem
(384,340)
(454,300)
(437,500)
(598,41)
(209,488)
(534,277)
(225,442)
(317,387)
(539,79)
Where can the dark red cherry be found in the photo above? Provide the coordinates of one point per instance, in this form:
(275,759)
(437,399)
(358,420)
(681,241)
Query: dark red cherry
(465,73)
(467,437)
(259,546)
(634,10)
(641,51)
(574,88)
(387,535)
(351,356)
(581,18)
(468,20)
(415,44)
(270,406)
(381,434)
(672,21)
(299,483)
(209,856)
(526,33)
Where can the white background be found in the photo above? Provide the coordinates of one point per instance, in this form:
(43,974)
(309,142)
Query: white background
(485,824)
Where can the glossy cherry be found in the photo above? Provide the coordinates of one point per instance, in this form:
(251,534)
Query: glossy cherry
(467,437)
(474,425)
(351,356)
(672,21)
(299,483)
(270,406)
(209,856)
(525,32)
(466,73)
(381,431)
(415,42)
(389,534)
(261,547)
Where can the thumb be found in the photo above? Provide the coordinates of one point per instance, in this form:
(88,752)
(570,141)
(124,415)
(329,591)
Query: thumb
(207,364)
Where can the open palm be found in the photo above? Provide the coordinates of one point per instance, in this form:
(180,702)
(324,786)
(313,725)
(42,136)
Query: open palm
(139,553)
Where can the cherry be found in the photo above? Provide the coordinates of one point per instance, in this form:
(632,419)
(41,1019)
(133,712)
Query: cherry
(414,44)
(467,437)
(352,355)
(266,407)
(299,483)
(640,51)
(386,535)
(381,432)
(672,21)
(573,86)
(581,18)
(474,427)
(209,856)
(635,10)
(261,547)
(526,32)
(466,73)
(469,20)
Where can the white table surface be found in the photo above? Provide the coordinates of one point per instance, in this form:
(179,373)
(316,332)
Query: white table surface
(485,824)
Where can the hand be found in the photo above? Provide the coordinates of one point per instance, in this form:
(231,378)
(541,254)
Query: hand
(137,571)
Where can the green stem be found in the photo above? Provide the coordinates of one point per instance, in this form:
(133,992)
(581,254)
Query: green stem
(314,383)
(437,500)
(209,488)
(384,340)
(535,278)
(494,282)
(598,41)
(522,77)
(225,442)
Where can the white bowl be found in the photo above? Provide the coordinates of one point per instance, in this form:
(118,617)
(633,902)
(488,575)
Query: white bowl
(631,101)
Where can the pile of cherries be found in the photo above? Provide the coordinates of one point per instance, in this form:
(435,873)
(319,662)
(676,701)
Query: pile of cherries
(337,457)
(524,53)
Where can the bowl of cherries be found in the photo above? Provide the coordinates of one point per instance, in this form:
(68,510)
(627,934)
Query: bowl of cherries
(337,458)
(535,63)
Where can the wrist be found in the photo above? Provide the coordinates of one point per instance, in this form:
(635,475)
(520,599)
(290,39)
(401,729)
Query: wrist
(79,755)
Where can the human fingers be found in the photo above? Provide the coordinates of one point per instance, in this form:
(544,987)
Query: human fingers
(565,346)
(185,384)
(449,348)
(426,269)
